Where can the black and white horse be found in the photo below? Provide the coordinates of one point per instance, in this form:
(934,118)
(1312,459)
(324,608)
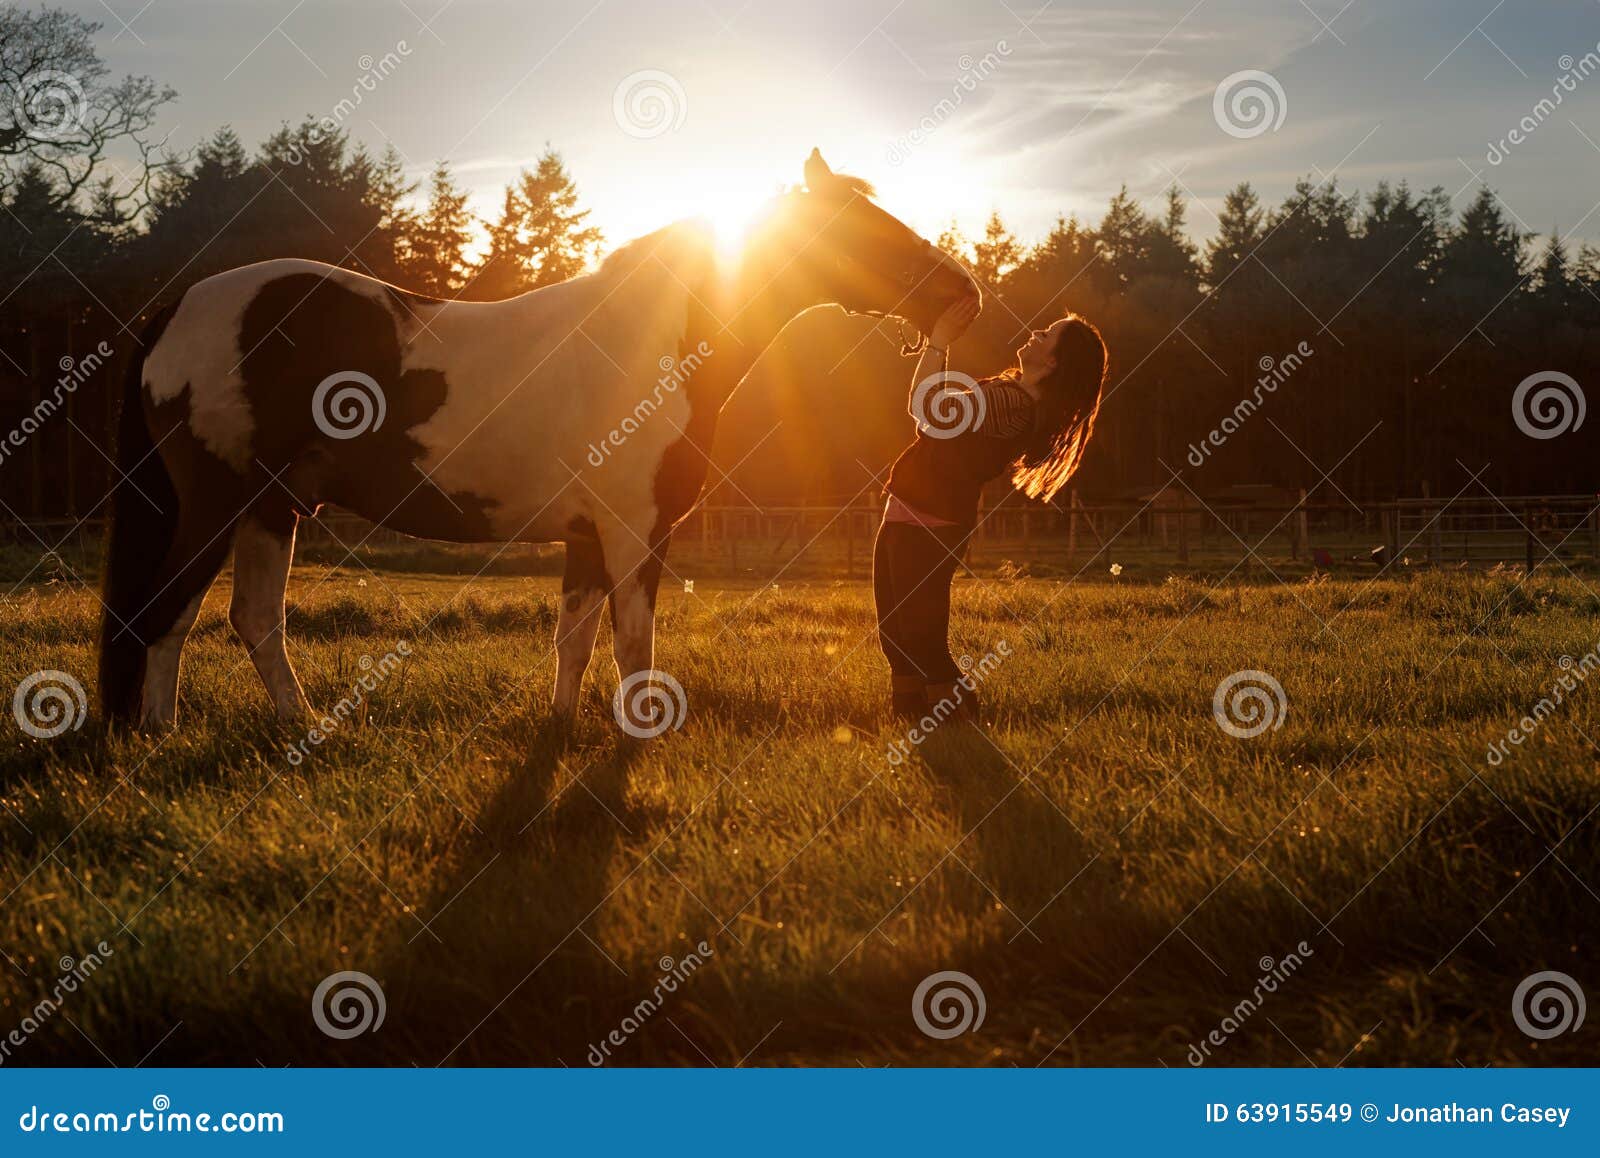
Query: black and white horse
(271,389)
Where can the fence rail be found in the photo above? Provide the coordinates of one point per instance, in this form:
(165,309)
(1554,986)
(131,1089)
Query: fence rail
(1174,528)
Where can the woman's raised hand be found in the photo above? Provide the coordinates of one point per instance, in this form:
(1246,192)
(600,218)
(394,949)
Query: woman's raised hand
(954,322)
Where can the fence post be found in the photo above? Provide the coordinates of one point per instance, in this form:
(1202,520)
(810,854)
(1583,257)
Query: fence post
(1302,529)
(1072,528)
(1436,543)
(1183,527)
(850,540)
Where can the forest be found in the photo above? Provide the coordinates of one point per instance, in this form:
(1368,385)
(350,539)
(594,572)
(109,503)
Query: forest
(1363,344)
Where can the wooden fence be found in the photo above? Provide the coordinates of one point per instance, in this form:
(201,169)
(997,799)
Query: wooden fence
(1177,529)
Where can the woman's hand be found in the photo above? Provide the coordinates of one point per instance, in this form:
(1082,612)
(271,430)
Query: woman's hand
(954,322)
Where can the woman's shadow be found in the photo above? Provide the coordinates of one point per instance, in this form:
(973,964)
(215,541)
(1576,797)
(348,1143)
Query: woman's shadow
(1023,849)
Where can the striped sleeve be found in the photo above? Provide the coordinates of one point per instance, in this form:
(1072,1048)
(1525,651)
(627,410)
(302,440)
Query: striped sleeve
(1008,410)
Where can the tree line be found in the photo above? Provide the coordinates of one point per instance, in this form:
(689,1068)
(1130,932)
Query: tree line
(1377,339)
(1360,345)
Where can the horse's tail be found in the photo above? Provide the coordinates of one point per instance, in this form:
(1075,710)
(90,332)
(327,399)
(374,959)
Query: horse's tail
(144,517)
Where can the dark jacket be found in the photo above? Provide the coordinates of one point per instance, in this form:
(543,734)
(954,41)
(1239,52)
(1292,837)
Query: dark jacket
(944,471)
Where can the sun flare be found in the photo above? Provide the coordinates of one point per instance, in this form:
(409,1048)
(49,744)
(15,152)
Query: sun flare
(731,213)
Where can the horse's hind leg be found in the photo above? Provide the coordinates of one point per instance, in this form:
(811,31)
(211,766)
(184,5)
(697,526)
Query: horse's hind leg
(193,560)
(644,710)
(262,552)
(583,589)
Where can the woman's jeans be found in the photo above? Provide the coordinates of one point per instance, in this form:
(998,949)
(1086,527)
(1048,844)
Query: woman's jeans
(911,571)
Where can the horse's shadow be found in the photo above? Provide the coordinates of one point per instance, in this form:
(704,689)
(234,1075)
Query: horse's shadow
(502,962)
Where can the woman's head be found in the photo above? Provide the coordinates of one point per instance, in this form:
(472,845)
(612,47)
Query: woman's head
(1064,368)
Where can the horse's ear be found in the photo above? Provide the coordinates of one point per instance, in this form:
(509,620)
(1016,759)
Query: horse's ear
(818,175)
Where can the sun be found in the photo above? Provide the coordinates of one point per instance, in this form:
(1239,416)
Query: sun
(731,212)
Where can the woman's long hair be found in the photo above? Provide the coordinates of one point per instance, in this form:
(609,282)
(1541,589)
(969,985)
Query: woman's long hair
(1069,401)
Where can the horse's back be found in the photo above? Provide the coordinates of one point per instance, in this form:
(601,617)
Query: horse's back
(223,327)
(446,419)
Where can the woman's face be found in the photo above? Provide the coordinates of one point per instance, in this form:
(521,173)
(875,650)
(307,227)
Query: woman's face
(1037,356)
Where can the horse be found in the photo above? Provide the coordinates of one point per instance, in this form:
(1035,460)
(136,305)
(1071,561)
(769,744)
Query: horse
(268,390)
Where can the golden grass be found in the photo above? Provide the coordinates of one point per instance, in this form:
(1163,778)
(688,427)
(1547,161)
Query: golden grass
(1105,861)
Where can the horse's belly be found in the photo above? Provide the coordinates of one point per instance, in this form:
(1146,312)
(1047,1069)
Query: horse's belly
(416,504)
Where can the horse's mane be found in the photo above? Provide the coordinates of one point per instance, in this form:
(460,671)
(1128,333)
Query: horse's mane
(857,185)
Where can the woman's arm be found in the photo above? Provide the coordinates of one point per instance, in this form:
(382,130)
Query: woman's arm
(931,362)
(950,326)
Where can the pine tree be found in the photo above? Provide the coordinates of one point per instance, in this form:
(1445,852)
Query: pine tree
(1239,231)
(35,224)
(432,257)
(1123,238)
(1067,242)
(1486,253)
(1171,253)
(1555,272)
(954,242)
(998,253)
(540,237)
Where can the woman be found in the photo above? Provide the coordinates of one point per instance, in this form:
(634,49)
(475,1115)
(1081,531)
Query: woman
(1033,420)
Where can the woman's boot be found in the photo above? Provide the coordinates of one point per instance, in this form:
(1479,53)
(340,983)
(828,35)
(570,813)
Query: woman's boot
(908,699)
(953,701)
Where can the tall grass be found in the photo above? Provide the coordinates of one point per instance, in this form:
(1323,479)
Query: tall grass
(1107,864)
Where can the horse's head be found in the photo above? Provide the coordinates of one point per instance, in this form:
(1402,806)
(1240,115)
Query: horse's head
(841,248)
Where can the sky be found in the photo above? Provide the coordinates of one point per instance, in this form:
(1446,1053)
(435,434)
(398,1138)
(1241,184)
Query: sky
(665,109)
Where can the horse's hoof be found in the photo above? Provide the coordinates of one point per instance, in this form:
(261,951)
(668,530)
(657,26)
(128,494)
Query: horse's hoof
(556,728)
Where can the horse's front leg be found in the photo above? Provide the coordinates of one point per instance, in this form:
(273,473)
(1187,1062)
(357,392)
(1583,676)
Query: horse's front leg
(642,707)
(583,589)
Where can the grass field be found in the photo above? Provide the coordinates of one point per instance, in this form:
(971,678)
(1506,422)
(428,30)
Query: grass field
(1105,862)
